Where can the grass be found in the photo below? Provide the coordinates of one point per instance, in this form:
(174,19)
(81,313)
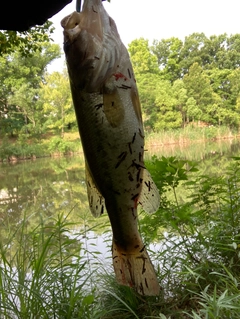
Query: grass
(42,273)
(189,134)
(194,240)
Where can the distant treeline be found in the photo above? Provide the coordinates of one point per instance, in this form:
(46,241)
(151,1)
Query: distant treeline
(180,83)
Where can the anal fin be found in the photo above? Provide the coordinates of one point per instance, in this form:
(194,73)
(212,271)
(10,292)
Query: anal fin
(149,197)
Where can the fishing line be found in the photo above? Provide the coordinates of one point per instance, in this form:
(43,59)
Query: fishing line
(78,5)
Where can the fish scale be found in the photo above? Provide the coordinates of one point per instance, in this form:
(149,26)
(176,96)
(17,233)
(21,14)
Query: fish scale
(108,113)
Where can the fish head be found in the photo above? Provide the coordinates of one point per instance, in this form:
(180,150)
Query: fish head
(71,27)
(86,45)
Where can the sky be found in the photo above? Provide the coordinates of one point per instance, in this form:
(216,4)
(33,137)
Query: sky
(161,19)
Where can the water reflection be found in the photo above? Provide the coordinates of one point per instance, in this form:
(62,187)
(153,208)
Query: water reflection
(43,185)
(195,151)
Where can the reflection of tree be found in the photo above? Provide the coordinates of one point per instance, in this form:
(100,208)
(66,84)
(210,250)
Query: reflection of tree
(42,188)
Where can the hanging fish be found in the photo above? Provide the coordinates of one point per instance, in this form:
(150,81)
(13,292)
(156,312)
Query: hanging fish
(108,113)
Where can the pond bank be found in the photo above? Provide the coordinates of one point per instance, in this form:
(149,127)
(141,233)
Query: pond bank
(24,148)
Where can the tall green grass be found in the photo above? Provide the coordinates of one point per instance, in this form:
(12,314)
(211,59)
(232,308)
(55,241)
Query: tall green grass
(188,135)
(43,274)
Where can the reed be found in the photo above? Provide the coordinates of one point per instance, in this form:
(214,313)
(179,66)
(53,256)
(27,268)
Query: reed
(188,135)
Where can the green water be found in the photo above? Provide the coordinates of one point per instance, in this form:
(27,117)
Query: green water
(50,186)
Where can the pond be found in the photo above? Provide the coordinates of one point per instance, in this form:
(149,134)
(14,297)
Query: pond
(47,187)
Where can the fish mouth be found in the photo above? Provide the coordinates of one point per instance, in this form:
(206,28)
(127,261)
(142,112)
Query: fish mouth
(71,26)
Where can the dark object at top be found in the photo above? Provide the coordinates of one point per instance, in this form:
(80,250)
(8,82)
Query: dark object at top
(20,15)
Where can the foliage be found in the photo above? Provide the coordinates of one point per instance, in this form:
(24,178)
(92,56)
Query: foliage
(23,148)
(26,42)
(191,81)
(20,79)
(166,115)
(199,251)
(57,102)
(57,144)
(143,60)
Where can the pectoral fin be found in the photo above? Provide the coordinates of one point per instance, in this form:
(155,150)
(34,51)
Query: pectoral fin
(95,198)
(149,197)
(113,108)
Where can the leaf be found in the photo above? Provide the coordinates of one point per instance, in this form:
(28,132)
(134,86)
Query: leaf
(88,300)
(171,170)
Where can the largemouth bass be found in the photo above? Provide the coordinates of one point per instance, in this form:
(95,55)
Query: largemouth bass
(108,113)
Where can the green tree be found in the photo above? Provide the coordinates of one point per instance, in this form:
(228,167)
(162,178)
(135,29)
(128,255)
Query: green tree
(143,60)
(180,94)
(176,57)
(25,42)
(20,78)
(147,74)
(192,51)
(147,84)
(168,56)
(25,100)
(225,84)
(213,51)
(193,112)
(228,56)
(57,101)
(198,87)
(203,71)
(233,79)
(167,116)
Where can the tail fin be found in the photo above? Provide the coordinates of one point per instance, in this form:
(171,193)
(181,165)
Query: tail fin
(135,269)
